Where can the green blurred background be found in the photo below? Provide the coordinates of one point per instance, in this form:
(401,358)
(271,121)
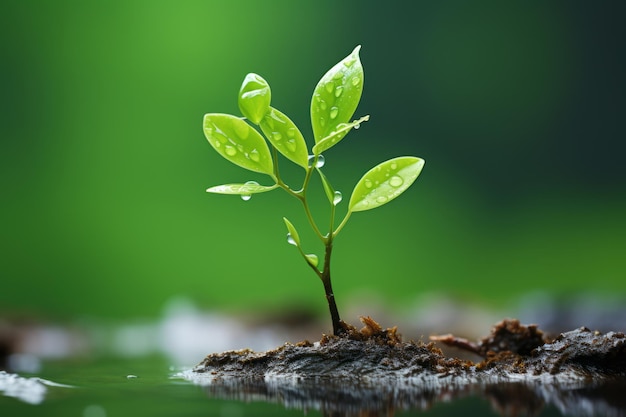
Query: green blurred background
(517,107)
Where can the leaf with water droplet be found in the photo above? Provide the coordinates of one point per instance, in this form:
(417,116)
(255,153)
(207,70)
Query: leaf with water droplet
(332,139)
(254,97)
(385,182)
(285,136)
(238,142)
(246,189)
(292,236)
(337,96)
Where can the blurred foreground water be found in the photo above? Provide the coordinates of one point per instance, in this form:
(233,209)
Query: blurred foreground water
(96,369)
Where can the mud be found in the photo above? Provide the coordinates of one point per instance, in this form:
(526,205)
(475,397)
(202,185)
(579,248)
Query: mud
(372,370)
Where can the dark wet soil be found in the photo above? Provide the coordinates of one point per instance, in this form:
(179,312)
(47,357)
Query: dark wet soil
(510,349)
(519,369)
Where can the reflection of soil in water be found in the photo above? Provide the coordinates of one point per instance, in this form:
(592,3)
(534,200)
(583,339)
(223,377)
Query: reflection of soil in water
(372,371)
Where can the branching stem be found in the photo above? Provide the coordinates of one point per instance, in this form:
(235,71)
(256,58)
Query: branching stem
(327,240)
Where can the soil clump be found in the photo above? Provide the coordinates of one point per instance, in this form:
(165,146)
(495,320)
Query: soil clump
(511,349)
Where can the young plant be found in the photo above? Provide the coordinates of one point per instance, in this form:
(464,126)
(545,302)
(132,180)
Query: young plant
(334,102)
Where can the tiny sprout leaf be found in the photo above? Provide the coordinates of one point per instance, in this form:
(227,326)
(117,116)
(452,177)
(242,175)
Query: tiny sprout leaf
(238,142)
(248,188)
(293,235)
(328,189)
(285,136)
(254,97)
(385,182)
(337,96)
(336,135)
(312,259)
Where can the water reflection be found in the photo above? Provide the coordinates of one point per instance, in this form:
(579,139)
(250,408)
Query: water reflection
(336,397)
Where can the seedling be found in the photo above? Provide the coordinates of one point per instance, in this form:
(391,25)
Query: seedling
(334,102)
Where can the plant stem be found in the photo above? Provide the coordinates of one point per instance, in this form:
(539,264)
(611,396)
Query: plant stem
(338,329)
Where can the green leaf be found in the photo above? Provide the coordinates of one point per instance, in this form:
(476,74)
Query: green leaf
(285,136)
(254,97)
(292,237)
(328,189)
(312,259)
(385,182)
(337,96)
(238,142)
(335,136)
(248,188)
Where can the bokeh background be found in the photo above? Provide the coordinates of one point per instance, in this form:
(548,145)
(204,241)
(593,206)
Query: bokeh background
(517,107)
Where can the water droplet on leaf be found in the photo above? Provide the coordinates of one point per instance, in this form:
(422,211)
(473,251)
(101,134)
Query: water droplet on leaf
(230,151)
(396,181)
(355,81)
(368,183)
(291,240)
(334,111)
(329,87)
(277,135)
(338,91)
(337,198)
(381,199)
(320,161)
(254,155)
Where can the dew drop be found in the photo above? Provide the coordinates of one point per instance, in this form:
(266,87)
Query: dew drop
(230,151)
(320,161)
(217,144)
(329,87)
(396,181)
(291,132)
(254,155)
(323,105)
(350,61)
(322,122)
(357,126)
(381,199)
(337,198)
(394,166)
(277,135)
(291,240)
(338,75)
(368,183)
(246,197)
(334,111)
(291,145)
(338,91)
(355,81)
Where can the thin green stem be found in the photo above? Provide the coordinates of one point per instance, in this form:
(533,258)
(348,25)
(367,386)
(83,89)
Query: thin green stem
(342,224)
